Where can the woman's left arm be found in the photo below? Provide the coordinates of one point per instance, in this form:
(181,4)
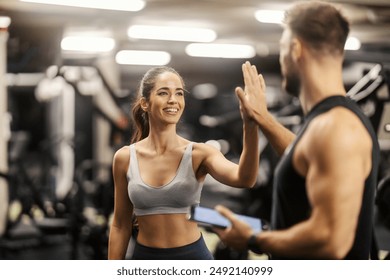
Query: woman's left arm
(241,175)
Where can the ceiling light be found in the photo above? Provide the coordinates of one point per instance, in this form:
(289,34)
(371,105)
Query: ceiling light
(352,44)
(87,44)
(220,50)
(117,5)
(5,21)
(138,57)
(270,16)
(172,33)
(204,91)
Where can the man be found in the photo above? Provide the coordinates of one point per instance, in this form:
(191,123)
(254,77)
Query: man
(325,182)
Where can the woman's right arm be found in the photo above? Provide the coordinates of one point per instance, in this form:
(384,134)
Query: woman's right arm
(121,227)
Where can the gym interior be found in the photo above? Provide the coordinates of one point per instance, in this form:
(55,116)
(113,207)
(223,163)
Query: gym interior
(64,111)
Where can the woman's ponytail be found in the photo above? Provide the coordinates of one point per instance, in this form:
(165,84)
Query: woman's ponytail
(140,122)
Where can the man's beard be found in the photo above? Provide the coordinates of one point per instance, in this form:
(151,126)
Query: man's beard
(292,84)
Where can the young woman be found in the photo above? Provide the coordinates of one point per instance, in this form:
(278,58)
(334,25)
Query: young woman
(160,175)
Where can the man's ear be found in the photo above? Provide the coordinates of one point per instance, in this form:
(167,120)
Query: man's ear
(144,104)
(296,49)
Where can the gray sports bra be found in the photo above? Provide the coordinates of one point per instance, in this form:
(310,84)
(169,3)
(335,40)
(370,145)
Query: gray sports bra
(175,197)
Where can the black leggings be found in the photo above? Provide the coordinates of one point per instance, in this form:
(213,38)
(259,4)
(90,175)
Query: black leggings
(194,251)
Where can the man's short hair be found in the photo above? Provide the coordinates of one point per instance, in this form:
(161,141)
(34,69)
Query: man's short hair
(319,24)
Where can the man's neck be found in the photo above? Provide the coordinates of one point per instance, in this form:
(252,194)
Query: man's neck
(320,79)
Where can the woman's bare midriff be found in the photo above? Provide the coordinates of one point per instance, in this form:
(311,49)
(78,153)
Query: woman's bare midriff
(167,230)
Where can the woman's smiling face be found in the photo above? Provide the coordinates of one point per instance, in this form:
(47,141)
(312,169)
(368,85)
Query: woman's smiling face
(167,101)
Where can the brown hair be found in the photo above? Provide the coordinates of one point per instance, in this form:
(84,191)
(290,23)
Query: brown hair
(319,24)
(147,84)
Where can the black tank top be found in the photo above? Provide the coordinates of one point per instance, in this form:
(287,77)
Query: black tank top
(290,201)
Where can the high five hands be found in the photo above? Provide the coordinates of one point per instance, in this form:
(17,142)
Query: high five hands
(252,98)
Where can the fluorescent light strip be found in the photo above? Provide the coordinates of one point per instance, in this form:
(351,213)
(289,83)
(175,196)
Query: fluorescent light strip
(5,21)
(352,44)
(270,16)
(117,5)
(87,44)
(220,50)
(137,57)
(171,33)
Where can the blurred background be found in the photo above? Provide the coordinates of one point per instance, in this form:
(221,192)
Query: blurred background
(69,71)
